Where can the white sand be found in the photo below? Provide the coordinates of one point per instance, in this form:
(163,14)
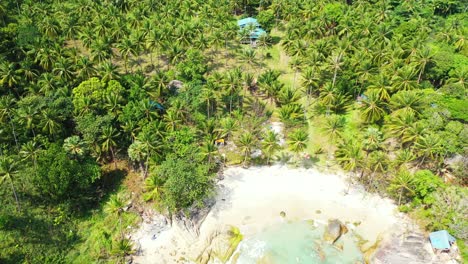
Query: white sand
(253,198)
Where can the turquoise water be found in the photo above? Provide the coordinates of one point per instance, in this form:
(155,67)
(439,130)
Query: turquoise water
(296,242)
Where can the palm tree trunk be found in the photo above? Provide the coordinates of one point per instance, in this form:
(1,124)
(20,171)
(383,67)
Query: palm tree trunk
(146,167)
(113,157)
(334,78)
(13,130)
(16,196)
(399,198)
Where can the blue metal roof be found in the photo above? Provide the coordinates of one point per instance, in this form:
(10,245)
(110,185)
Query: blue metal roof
(257,33)
(247,21)
(441,239)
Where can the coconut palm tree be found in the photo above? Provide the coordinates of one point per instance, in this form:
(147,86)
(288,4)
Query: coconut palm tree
(126,47)
(372,108)
(349,155)
(8,171)
(297,141)
(406,101)
(7,104)
(108,141)
(246,143)
(404,80)
(402,184)
(74,146)
(429,146)
(208,149)
(381,85)
(270,144)
(335,63)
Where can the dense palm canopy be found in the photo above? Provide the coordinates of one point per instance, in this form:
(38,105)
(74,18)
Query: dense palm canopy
(165,87)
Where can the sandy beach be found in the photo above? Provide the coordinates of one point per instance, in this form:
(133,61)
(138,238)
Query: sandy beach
(252,199)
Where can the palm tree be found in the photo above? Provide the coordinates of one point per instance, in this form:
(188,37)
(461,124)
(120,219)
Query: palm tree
(172,119)
(126,47)
(310,82)
(270,144)
(228,125)
(404,80)
(263,42)
(153,188)
(249,56)
(108,71)
(402,183)
(399,124)
(403,156)
(85,68)
(50,122)
(297,141)
(287,96)
(115,206)
(138,152)
(423,58)
(101,50)
(333,126)
(9,74)
(74,146)
(30,151)
(246,142)
(381,86)
(209,95)
(349,155)
(151,145)
(336,61)
(108,141)
(429,146)
(208,149)
(6,111)
(8,171)
(406,101)
(373,109)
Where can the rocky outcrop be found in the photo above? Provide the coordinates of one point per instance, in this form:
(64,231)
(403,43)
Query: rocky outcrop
(221,246)
(334,230)
(409,248)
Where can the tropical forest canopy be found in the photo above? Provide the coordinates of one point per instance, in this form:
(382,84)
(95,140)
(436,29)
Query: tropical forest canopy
(110,107)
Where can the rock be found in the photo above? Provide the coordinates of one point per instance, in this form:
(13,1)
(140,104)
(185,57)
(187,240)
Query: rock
(282,214)
(318,212)
(344,229)
(175,85)
(339,246)
(221,246)
(333,231)
(411,248)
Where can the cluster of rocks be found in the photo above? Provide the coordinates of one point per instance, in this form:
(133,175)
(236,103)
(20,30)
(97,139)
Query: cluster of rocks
(412,248)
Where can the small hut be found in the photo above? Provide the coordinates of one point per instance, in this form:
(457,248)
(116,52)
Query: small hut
(255,30)
(441,241)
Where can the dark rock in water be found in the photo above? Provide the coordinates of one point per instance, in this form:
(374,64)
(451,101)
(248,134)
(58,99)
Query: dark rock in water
(318,212)
(282,214)
(334,230)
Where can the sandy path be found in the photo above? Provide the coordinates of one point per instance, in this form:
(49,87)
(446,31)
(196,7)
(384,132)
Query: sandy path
(253,198)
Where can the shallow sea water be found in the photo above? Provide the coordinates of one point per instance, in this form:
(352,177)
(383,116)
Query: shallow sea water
(296,242)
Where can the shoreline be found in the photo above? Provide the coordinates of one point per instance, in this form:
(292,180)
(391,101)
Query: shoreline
(251,199)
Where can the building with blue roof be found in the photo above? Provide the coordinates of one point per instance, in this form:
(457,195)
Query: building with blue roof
(248,21)
(251,24)
(441,240)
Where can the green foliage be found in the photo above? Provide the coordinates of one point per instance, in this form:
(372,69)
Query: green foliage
(60,178)
(425,184)
(266,18)
(184,182)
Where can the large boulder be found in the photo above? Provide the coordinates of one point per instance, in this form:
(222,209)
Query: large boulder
(334,230)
